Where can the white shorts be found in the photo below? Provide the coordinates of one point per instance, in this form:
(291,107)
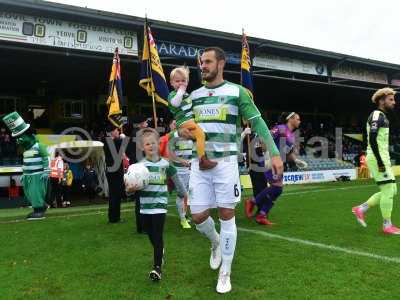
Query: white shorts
(195,209)
(217,187)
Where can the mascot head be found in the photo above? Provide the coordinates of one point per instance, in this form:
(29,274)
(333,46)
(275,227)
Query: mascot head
(20,130)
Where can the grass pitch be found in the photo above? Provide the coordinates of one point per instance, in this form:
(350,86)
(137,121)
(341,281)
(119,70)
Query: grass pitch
(316,251)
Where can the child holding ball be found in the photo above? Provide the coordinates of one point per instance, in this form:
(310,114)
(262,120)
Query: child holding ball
(154,196)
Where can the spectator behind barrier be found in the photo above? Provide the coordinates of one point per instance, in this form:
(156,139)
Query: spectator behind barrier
(13,190)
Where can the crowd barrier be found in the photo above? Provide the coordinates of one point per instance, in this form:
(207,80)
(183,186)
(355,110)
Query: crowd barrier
(309,177)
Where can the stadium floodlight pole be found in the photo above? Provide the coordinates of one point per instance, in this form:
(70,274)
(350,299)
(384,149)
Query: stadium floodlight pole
(149,69)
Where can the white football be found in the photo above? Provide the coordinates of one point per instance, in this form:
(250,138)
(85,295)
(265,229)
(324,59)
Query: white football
(137,176)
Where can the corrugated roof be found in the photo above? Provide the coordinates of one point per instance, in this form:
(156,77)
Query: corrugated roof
(70,11)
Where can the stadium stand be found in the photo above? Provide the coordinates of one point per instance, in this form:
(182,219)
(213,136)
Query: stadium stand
(317,164)
(8,150)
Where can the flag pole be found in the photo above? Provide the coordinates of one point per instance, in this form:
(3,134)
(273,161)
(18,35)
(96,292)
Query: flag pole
(154,111)
(116,54)
(151,74)
(121,100)
(247,122)
(248,148)
(111,92)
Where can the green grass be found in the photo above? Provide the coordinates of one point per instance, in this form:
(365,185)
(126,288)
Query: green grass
(75,254)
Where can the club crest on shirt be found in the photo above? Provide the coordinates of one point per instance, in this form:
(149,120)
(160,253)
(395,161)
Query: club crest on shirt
(222,99)
(187,101)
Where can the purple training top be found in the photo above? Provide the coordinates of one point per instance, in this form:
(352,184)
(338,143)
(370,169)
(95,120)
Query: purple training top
(284,138)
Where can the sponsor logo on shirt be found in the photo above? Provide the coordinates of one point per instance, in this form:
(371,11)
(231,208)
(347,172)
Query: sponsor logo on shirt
(184,145)
(158,178)
(30,153)
(214,113)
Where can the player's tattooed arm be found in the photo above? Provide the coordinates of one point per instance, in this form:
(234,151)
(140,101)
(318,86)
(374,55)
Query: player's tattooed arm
(375,149)
(373,136)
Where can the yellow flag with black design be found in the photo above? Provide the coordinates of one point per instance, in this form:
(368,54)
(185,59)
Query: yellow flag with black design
(115,100)
(245,67)
(152,77)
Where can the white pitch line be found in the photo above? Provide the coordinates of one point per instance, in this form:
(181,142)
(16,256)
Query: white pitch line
(322,246)
(57,217)
(284,194)
(318,245)
(262,233)
(330,189)
(66,216)
(98,213)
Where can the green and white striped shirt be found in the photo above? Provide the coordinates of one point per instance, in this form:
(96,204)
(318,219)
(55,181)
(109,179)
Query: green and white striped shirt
(182,149)
(34,160)
(218,111)
(154,197)
(182,113)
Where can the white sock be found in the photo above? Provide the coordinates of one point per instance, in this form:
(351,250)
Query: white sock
(387,223)
(208,229)
(180,208)
(228,237)
(364,207)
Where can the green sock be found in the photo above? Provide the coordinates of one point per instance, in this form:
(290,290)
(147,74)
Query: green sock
(388,191)
(374,199)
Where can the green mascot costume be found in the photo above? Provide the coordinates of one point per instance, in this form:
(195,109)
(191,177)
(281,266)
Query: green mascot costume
(35,164)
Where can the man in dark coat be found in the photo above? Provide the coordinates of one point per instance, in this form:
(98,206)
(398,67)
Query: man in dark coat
(114,171)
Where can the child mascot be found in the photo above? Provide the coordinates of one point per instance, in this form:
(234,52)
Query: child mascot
(35,164)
